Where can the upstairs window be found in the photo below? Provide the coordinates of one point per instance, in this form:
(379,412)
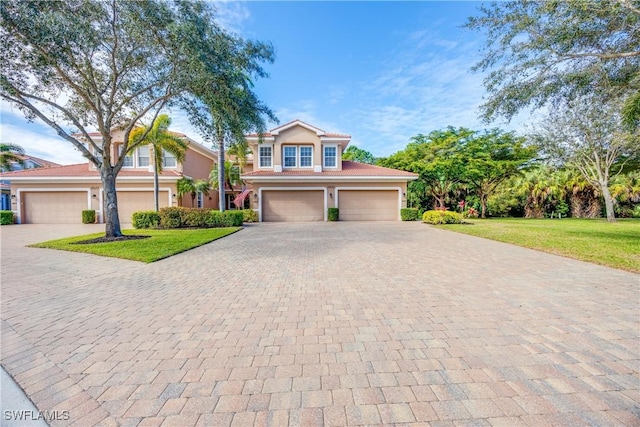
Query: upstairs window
(306,157)
(128,160)
(290,156)
(330,157)
(143,156)
(168,160)
(266,157)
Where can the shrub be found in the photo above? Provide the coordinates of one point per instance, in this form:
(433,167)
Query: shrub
(88,216)
(171,217)
(237,217)
(219,219)
(194,217)
(146,219)
(6,217)
(249,215)
(409,214)
(333,214)
(441,217)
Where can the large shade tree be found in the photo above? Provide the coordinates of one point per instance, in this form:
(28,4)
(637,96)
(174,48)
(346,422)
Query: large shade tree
(10,154)
(107,64)
(161,141)
(549,52)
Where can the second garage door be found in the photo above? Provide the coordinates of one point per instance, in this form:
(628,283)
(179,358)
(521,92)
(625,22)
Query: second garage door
(294,206)
(53,207)
(133,201)
(368,205)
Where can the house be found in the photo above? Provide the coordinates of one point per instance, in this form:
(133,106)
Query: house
(28,162)
(59,194)
(297,173)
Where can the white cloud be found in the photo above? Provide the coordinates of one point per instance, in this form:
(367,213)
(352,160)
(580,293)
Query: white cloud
(231,14)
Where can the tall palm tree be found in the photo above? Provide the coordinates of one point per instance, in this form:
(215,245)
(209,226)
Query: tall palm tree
(230,179)
(192,187)
(9,154)
(161,141)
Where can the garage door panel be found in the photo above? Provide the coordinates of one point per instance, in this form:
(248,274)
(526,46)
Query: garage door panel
(293,206)
(368,205)
(54,207)
(134,201)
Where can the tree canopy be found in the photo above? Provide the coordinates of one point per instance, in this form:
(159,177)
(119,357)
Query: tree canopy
(359,155)
(541,52)
(107,64)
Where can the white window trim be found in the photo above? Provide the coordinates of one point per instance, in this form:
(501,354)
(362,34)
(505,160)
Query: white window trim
(137,158)
(132,156)
(174,158)
(324,162)
(200,199)
(284,158)
(300,156)
(260,157)
(324,189)
(398,189)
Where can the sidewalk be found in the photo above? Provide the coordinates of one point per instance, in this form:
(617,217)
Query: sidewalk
(17,409)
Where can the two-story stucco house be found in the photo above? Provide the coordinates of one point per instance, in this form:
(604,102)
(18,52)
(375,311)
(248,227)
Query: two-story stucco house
(59,194)
(297,173)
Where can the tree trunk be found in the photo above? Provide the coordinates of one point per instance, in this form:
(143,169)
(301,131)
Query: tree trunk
(112,219)
(483,205)
(608,201)
(221,186)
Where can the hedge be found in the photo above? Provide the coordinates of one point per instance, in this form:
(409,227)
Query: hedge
(442,217)
(146,219)
(409,214)
(180,217)
(333,214)
(88,216)
(6,217)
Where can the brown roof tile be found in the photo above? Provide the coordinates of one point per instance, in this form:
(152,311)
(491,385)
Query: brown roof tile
(79,170)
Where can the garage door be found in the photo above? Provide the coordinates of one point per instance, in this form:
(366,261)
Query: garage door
(368,205)
(133,201)
(294,206)
(55,207)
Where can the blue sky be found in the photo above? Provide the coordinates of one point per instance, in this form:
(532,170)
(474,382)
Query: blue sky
(381,72)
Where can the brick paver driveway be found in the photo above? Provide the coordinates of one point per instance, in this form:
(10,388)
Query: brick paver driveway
(327,323)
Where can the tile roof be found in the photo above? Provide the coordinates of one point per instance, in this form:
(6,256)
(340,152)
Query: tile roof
(42,162)
(79,170)
(348,169)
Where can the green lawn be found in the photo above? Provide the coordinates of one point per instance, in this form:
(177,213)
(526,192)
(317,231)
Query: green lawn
(161,244)
(615,245)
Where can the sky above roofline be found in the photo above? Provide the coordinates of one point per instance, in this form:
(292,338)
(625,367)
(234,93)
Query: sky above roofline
(381,72)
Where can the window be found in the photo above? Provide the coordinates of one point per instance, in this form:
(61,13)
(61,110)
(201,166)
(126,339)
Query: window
(265,157)
(306,157)
(128,160)
(330,157)
(168,159)
(290,156)
(143,156)
(200,199)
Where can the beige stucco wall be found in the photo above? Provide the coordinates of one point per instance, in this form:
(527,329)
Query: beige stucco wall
(196,165)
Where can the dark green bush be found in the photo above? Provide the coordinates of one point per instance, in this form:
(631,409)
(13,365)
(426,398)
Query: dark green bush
(146,219)
(88,216)
(409,214)
(249,215)
(171,217)
(237,217)
(333,214)
(6,217)
(219,219)
(442,217)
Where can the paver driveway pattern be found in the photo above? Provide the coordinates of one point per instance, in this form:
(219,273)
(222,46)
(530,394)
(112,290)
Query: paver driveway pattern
(322,323)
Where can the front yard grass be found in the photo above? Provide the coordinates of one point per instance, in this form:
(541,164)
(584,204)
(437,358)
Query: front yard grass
(162,243)
(615,244)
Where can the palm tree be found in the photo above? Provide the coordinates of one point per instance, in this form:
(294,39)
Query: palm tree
(161,141)
(231,176)
(187,185)
(9,154)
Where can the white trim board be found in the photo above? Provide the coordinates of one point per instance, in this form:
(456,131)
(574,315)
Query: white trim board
(47,190)
(398,189)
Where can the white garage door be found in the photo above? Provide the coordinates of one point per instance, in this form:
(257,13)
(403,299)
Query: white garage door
(368,205)
(293,206)
(134,201)
(53,207)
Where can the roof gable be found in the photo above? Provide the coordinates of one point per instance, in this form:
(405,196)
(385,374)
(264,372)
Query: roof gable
(317,131)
